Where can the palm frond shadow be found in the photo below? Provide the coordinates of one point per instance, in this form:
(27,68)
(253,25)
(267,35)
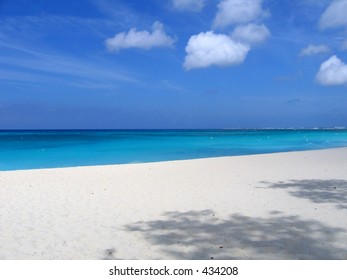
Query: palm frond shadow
(317,191)
(201,235)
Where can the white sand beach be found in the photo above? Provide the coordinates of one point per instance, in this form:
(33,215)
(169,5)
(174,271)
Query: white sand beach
(275,206)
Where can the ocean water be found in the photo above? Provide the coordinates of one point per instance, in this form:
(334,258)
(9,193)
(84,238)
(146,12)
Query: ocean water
(47,149)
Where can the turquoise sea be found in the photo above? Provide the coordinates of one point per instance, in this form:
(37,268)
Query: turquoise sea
(46,149)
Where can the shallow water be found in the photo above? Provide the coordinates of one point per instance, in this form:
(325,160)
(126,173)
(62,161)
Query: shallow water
(46,149)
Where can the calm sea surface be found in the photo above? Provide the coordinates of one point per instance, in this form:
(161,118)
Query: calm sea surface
(46,149)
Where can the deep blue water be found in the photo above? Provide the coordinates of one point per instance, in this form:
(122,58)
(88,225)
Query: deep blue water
(46,149)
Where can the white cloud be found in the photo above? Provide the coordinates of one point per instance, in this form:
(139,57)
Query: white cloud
(238,12)
(36,67)
(188,5)
(332,72)
(314,49)
(335,15)
(140,39)
(251,33)
(207,49)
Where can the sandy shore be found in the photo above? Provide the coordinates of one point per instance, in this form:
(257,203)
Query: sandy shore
(276,206)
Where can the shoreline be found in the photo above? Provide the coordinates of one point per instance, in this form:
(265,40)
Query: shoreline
(290,205)
(177,160)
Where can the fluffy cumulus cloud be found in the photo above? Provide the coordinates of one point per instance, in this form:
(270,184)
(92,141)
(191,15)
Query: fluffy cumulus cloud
(335,15)
(314,49)
(188,5)
(140,39)
(238,12)
(332,72)
(251,33)
(207,49)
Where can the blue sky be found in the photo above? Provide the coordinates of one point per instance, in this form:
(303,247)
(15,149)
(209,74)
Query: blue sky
(172,64)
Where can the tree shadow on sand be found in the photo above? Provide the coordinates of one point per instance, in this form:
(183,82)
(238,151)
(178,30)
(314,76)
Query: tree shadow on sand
(202,235)
(317,191)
